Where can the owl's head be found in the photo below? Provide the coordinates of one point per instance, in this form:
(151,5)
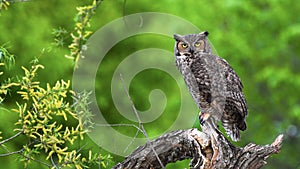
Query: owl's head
(187,45)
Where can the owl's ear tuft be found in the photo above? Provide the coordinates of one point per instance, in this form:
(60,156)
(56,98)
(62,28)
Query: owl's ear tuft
(205,33)
(177,37)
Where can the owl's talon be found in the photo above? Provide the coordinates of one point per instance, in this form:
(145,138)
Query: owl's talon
(201,120)
(203,117)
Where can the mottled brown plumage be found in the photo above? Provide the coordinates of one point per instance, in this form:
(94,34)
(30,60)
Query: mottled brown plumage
(213,84)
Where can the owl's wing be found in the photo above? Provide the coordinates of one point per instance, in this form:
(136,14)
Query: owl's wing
(234,88)
(235,110)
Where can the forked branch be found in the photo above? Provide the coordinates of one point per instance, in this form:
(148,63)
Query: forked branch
(206,151)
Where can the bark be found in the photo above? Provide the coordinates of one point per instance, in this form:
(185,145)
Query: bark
(207,150)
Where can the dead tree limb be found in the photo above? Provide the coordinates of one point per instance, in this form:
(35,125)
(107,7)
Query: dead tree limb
(206,151)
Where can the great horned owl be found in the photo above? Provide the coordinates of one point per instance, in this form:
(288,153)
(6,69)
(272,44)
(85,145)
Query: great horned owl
(213,84)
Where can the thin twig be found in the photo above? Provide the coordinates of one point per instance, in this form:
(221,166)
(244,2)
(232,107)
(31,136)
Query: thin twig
(81,148)
(140,122)
(131,142)
(11,153)
(120,125)
(12,137)
(53,163)
(20,153)
(38,161)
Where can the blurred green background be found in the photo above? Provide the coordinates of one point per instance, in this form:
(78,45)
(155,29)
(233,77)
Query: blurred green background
(260,39)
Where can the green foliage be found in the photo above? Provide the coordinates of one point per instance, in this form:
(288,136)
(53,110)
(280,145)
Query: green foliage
(4,5)
(59,36)
(44,116)
(81,34)
(81,102)
(260,39)
(6,58)
(43,113)
(7,61)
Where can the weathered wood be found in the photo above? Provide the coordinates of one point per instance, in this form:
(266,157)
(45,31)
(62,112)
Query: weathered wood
(209,150)
(170,147)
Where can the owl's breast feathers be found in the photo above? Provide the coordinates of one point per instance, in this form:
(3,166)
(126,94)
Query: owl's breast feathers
(197,79)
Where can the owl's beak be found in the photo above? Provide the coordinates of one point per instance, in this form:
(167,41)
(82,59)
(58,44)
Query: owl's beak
(191,51)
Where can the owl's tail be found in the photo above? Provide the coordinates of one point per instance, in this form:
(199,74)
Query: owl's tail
(233,132)
(233,129)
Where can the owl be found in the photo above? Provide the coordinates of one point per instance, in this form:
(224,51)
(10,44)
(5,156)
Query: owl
(212,82)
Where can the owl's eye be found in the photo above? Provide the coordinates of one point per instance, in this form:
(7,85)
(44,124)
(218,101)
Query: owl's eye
(197,44)
(184,45)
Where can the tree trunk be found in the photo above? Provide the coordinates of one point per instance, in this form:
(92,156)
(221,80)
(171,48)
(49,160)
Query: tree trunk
(209,150)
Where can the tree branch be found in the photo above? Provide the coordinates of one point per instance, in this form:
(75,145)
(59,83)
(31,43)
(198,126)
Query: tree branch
(206,151)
